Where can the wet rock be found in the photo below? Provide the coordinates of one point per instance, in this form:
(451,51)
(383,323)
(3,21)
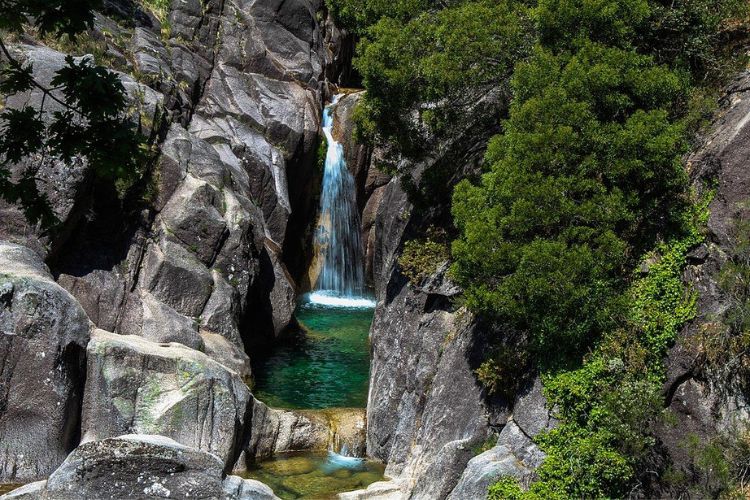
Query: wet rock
(137,386)
(278,431)
(43,336)
(142,466)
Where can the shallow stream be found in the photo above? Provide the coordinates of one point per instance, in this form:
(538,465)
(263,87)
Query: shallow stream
(315,475)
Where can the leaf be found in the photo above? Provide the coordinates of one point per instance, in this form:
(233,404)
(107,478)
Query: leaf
(23,133)
(67,138)
(93,90)
(61,16)
(15,79)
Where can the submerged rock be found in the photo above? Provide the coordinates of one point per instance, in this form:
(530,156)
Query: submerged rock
(43,336)
(142,466)
(137,386)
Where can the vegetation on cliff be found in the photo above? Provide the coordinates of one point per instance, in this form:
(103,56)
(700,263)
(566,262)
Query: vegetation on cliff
(584,184)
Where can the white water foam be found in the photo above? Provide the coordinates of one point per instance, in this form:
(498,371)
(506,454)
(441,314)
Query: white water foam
(326,298)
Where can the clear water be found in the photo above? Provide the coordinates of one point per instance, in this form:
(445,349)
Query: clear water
(338,236)
(327,367)
(315,475)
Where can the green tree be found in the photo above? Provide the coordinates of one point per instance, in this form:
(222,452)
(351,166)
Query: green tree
(586,172)
(90,121)
(423,74)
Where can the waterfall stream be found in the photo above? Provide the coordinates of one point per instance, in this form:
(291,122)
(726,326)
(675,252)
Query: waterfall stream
(338,234)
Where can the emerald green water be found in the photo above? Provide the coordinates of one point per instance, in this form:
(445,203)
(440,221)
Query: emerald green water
(326,367)
(315,475)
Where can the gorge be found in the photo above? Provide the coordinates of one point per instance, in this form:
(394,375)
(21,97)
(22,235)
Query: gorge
(362,249)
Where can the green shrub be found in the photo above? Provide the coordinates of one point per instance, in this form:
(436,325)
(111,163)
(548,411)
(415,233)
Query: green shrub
(421,258)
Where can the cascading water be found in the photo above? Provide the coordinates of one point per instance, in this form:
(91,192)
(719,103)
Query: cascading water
(338,238)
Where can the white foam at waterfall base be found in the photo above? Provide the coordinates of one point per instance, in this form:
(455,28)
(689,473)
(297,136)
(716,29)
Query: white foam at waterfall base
(331,299)
(336,461)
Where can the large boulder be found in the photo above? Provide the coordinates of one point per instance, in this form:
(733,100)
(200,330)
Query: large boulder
(142,466)
(43,337)
(135,386)
(277,431)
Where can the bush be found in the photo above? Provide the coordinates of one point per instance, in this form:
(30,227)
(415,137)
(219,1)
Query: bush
(421,258)
(586,173)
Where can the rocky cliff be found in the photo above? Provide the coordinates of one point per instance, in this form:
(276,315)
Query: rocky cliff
(140,314)
(155,295)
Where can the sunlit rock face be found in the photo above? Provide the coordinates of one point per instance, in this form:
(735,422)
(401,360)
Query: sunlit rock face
(145,466)
(43,336)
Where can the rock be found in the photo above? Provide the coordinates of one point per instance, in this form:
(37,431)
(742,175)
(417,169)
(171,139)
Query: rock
(381,490)
(706,402)
(100,293)
(137,386)
(425,406)
(43,337)
(193,216)
(227,353)
(278,38)
(530,412)
(142,466)
(176,277)
(162,324)
(246,489)
(277,431)
(30,491)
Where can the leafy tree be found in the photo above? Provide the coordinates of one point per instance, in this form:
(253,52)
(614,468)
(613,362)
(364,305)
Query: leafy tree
(90,121)
(587,170)
(424,73)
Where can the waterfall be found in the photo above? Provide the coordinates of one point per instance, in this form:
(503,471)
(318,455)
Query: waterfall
(338,235)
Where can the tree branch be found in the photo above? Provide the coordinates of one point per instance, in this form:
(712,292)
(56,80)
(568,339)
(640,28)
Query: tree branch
(47,92)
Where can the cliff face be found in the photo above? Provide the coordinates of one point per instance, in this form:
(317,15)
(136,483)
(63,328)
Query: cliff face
(426,411)
(706,398)
(193,275)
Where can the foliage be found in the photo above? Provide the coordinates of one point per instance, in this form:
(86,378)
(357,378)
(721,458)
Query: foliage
(422,75)
(503,370)
(89,121)
(506,488)
(607,404)
(160,8)
(717,468)
(582,178)
(486,445)
(421,257)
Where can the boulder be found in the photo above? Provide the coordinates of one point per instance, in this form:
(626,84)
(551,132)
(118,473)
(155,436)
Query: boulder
(43,337)
(277,431)
(141,466)
(227,353)
(137,386)
(162,324)
(175,276)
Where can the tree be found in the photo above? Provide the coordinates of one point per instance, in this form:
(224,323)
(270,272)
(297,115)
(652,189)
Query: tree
(90,124)
(586,172)
(425,65)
